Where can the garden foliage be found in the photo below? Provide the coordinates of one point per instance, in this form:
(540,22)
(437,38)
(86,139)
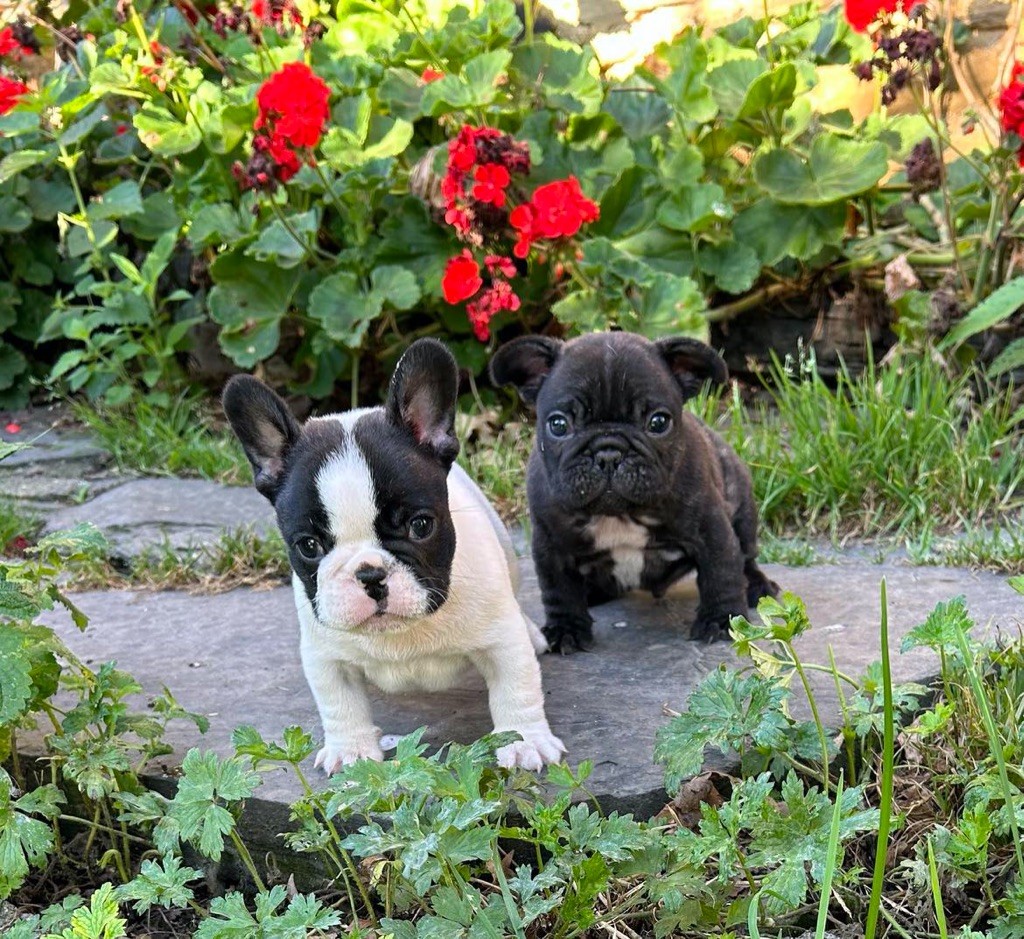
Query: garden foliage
(166,175)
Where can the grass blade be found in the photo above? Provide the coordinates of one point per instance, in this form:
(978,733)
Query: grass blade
(830,862)
(885,786)
(933,878)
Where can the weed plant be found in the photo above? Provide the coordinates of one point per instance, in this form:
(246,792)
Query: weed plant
(448,844)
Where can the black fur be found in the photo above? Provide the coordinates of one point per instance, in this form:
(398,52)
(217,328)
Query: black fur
(684,485)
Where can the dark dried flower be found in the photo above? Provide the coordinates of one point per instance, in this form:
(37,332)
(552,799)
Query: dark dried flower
(314,32)
(924,172)
(25,36)
(67,42)
(864,70)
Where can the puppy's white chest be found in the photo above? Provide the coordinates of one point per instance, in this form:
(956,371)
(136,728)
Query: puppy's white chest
(626,541)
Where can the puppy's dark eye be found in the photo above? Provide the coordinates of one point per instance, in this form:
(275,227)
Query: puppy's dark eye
(421,527)
(659,423)
(558,424)
(309,549)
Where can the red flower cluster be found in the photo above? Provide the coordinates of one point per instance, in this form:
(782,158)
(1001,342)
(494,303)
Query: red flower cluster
(557,210)
(292,113)
(479,203)
(430,75)
(481,164)
(1011,106)
(11,91)
(860,14)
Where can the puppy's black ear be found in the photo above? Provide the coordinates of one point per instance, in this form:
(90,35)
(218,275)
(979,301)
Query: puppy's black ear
(265,427)
(525,362)
(693,363)
(422,397)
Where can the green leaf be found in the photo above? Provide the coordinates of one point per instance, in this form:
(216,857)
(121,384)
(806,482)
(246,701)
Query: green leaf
(561,73)
(734,266)
(287,242)
(99,920)
(695,208)
(1012,357)
(396,285)
(671,305)
(778,231)
(83,126)
(163,133)
(638,109)
(942,629)
(997,307)
(731,81)
(14,214)
(726,710)
(123,199)
(24,842)
(15,658)
(838,168)
(160,883)
(158,216)
(685,86)
(773,91)
(476,86)
(344,309)
(21,160)
(249,299)
(217,224)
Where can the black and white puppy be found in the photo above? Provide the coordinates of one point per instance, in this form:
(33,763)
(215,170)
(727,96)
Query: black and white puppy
(403,573)
(626,489)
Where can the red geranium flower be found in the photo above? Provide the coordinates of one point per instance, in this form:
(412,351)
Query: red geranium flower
(521,218)
(499,296)
(461,278)
(8,43)
(120,130)
(491,180)
(1011,102)
(860,14)
(430,75)
(293,104)
(10,93)
(561,209)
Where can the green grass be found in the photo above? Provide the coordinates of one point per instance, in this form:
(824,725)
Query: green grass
(793,552)
(495,456)
(180,440)
(999,549)
(901,448)
(239,558)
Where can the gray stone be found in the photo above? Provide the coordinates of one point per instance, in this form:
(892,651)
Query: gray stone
(182,512)
(234,657)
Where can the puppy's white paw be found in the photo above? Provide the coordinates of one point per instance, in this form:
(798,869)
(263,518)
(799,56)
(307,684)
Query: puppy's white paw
(338,753)
(537,638)
(538,746)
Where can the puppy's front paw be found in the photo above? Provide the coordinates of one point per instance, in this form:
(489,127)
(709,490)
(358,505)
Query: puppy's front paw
(338,753)
(759,586)
(565,634)
(711,627)
(538,746)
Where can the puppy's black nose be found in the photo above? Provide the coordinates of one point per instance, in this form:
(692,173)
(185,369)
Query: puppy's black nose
(607,458)
(372,578)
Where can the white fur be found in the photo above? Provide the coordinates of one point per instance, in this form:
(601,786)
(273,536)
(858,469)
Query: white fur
(480,624)
(626,541)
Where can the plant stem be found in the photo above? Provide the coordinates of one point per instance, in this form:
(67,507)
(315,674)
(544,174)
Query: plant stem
(727,312)
(822,738)
(288,227)
(528,16)
(243,853)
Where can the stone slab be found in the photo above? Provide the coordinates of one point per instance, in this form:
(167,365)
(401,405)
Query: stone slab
(182,512)
(234,657)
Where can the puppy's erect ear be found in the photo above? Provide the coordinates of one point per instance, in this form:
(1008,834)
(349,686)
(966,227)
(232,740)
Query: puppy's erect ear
(265,427)
(422,397)
(525,362)
(693,363)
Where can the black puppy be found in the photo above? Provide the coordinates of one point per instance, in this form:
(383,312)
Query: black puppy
(626,489)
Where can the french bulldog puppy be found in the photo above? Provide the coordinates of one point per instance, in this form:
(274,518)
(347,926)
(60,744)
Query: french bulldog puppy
(626,489)
(402,571)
